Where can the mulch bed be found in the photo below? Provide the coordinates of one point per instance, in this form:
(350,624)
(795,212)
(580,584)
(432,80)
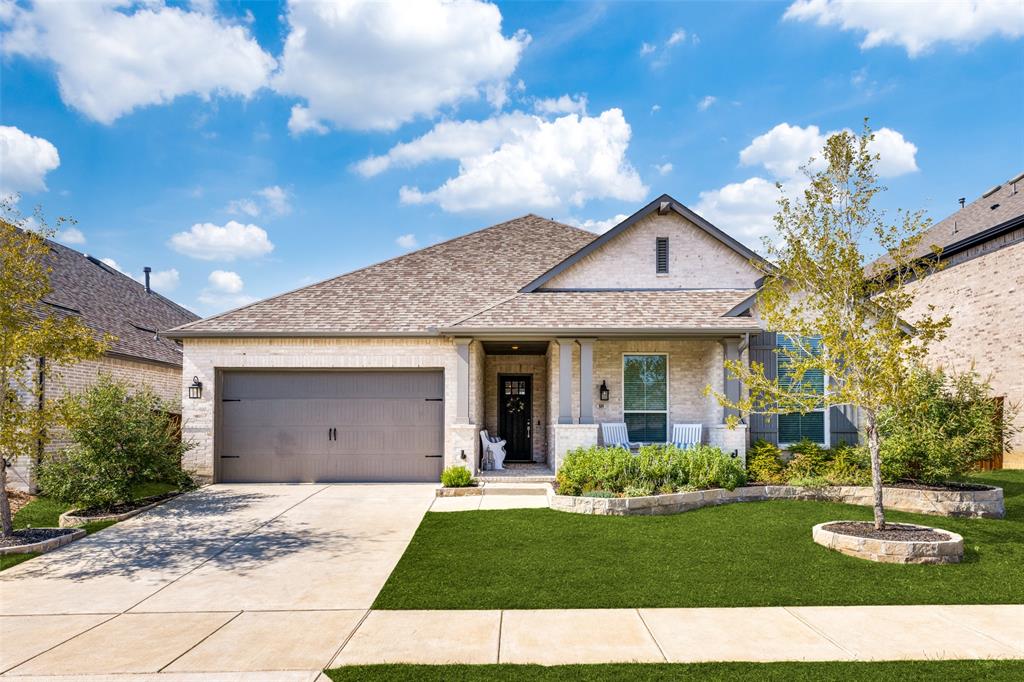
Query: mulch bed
(956,487)
(28,536)
(18,499)
(892,531)
(122,507)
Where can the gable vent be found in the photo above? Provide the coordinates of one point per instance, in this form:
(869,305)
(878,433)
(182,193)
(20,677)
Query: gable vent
(661,256)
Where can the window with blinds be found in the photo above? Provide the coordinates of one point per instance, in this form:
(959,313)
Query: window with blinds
(661,256)
(645,397)
(794,427)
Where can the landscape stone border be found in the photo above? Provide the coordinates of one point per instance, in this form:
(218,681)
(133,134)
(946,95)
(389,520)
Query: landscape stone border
(462,491)
(69,519)
(44,545)
(969,503)
(949,551)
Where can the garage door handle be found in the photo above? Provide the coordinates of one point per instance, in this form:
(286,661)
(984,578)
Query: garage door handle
(434,400)
(433,456)
(230,456)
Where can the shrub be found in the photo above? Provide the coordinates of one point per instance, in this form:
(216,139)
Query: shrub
(764,462)
(948,425)
(809,460)
(848,466)
(662,468)
(123,437)
(604,494)
(456,477)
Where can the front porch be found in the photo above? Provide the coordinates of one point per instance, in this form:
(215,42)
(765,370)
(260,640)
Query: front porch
(547,396)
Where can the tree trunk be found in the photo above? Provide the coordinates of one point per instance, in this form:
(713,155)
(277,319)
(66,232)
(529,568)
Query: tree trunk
(876,469)
(5,504)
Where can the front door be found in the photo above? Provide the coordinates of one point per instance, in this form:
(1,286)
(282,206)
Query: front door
(515,412)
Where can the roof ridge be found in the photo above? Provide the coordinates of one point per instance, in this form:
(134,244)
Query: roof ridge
(366,267)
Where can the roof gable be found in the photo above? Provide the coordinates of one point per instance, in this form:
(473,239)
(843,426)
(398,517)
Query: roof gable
(727,266)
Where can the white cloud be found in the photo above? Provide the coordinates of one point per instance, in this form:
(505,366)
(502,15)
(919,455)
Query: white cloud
(678,36)
(207,241)
(377,65)
(655,108)
(706,102)
(598,226)
(216,301)
(112,263)
(565,104)
(784,148)
(407,241)
(914,26)
(274,200)
(71,235)
(541,165)
(647,48)
(26,159)
(226,281)
(663,168)
(743,209)
(112,56)
(165,280)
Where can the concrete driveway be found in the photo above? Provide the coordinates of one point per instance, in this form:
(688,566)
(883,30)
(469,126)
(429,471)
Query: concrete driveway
(227,578)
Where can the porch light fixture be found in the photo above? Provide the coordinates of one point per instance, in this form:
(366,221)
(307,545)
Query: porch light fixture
(196,389)
(604,393)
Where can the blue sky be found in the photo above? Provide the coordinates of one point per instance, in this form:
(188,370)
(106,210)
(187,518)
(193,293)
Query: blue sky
(244,149)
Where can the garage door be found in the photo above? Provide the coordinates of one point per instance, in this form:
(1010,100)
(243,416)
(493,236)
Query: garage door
(331,426)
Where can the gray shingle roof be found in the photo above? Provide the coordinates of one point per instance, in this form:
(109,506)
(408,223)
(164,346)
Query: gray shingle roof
(985,212)
(691,309)
(414,293)
(110,302)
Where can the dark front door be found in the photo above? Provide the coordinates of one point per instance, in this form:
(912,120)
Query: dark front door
(515,412)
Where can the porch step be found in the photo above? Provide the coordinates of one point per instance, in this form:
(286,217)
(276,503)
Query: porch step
(518,488)
(491,479)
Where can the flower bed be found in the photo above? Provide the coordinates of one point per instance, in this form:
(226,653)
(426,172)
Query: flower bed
(987,503)
(898,543)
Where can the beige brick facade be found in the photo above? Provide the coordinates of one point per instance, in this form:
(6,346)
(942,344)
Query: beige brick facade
(696,260)
(982,290)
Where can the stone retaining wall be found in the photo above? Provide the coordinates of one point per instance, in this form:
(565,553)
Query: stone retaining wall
(971,503)
(949,551)
(44,545)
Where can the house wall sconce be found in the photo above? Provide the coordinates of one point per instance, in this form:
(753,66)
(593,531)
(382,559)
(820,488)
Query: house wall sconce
(603,392)
(195,391)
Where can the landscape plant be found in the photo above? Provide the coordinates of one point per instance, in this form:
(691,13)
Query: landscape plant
(949,424)
(844,320)
(764,462)
(35,340)
(456,477)
(122,437)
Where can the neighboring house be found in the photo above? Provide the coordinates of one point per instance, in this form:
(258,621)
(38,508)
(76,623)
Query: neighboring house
(981,288)
(109,302)
(391,371)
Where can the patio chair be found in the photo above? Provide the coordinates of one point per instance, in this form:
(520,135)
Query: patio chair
(686,436)
(615,434)
(493,446)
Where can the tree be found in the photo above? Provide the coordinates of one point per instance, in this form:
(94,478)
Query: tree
(840,319)
(29,330)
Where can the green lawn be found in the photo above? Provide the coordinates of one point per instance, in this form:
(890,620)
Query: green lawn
(947,671)
(745,554)
(45,512)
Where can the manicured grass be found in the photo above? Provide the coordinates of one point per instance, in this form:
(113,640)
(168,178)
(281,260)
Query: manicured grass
(745,554)
(948,671)
(44,512)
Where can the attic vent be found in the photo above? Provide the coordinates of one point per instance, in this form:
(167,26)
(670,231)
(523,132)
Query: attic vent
(143,329)
(991,191)
(67,309)
(661,256)
(1016,178)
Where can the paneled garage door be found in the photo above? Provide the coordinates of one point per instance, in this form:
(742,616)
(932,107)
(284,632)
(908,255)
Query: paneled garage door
(280,426)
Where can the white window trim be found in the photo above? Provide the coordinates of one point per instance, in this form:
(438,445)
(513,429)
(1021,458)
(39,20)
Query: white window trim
(668,390)
(827,437)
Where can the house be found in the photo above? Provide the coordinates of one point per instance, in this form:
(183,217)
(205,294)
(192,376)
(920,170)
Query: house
(108,302)
(531,329)
(981,287)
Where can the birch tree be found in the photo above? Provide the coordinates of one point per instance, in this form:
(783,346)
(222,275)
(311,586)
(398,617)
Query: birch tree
(843,320)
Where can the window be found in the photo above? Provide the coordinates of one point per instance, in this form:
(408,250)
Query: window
(794,427)
(661,256)
(645,397)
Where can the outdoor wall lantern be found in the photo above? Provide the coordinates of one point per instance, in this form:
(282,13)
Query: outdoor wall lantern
(604,392)
(196,389)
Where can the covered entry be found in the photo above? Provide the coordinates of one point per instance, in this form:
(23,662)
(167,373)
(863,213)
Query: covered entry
(322,426)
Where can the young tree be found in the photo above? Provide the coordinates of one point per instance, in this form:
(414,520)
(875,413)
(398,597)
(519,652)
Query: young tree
(841,320)
(29,330)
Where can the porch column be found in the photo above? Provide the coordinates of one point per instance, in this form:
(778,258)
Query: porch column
(565,381)
(731,385)
(462,381)
(586,380)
